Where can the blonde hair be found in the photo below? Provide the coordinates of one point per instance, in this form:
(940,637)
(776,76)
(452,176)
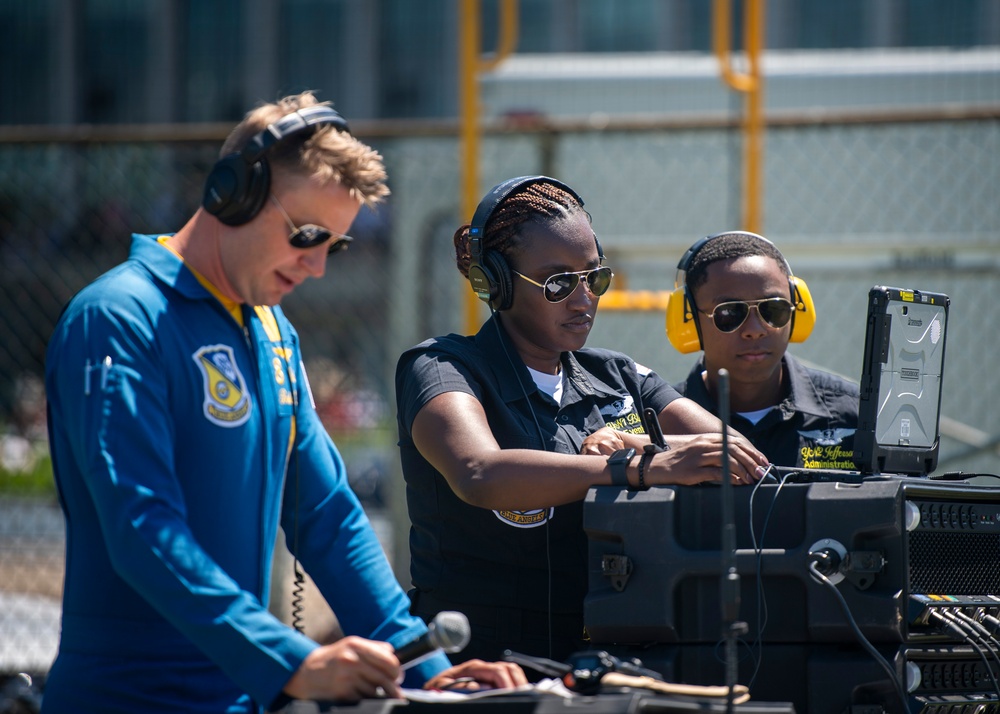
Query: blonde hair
(328,155)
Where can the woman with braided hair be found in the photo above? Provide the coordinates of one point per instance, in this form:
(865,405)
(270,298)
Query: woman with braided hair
(502,433)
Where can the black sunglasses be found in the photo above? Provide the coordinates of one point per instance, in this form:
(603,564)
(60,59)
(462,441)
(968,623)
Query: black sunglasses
(310,236)
(560,286)
(729,316)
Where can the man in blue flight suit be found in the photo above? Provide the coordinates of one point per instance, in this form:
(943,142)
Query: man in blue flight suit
(183,433)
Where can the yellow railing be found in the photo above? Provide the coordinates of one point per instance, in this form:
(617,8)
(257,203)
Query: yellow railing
(636,300)
(751,83)
(471,64)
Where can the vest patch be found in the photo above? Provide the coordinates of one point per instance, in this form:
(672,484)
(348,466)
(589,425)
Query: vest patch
(619,407)
(621,415)
(525,519)
(827,451)
(827,437)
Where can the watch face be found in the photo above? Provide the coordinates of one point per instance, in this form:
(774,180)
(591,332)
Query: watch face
(622,455)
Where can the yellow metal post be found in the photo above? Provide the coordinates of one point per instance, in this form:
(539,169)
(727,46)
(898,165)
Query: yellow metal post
(471,64)
(468,42)
(751,84)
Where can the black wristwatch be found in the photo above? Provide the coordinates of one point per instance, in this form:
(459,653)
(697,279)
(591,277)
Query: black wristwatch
(619,461)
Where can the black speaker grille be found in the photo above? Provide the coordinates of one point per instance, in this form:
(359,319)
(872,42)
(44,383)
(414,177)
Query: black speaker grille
(950,563)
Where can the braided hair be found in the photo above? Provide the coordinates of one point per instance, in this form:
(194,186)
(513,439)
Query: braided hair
(535,204)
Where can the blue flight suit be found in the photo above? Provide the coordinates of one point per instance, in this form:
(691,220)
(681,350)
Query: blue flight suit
(180,439)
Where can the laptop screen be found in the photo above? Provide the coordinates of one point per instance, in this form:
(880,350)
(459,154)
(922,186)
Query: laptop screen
(900,405)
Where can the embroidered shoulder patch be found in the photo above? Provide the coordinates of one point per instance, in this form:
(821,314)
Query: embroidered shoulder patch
(619,407)
(227,402)
(526,519)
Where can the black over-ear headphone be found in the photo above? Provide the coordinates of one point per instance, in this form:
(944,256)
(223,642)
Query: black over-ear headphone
(239,183)
(683,329)
(489,272)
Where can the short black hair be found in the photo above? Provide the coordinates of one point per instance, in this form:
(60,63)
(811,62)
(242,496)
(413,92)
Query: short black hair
(725,246)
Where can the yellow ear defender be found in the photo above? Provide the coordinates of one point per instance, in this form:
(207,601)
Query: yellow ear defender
(682,324)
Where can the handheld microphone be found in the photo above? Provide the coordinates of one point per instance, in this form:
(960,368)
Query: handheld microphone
(448,631)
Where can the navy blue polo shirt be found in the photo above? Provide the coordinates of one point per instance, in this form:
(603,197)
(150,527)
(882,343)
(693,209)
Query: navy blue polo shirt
(812,427)
(465,554)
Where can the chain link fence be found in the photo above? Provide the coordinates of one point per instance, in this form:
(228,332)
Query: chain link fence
(852,204)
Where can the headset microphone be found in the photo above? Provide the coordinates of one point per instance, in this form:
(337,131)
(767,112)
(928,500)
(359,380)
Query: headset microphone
(448,631)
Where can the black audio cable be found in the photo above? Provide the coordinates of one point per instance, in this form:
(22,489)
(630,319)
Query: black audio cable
(976,631)
(541,436)
(991,623)
(298,596)
(986,637)
(298,576)
(757,647)
(860,636)
(951,625)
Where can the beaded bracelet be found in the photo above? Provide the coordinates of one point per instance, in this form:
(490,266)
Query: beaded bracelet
(647,456)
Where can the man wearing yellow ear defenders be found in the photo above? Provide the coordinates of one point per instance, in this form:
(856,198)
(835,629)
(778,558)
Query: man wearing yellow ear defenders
(736,299)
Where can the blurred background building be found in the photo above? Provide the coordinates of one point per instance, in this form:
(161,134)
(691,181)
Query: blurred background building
(882,132)
(164,61)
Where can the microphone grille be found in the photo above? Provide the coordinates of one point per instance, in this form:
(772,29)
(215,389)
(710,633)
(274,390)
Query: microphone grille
(449,630)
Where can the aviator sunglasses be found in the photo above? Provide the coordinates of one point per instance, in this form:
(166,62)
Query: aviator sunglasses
(310,236)
(729,316)
(560,286)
